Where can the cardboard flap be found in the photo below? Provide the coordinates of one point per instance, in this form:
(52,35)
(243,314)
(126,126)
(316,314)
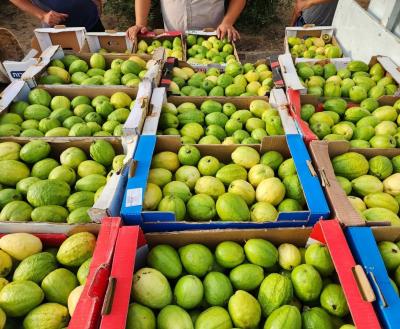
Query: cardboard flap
(289,73)
(390,67)
(158,99)
(16,90)
(52,52)
(340,63)
(343,210)
(208,31)
(309,30)
(111,41)
(135,121)
(70,38)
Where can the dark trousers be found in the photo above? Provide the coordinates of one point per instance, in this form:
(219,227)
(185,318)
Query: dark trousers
(98,27)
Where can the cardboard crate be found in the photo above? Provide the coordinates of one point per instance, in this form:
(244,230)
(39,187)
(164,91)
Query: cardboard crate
(68,38)
(19,90)
(363,244)
(208,32)
(322,152)
(110,40)
(351,276)
(156,221)
(293,82)
(88,310)
(33,73)
(159,98)
(76,39)
(307,31)
(170,63)
(109,202)
(296,100)
(161,35)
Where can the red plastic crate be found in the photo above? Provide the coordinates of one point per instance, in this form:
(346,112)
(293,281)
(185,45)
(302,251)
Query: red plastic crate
(88,309)
(131,248)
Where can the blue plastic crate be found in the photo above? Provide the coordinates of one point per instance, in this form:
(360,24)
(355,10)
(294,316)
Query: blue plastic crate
(155,221)
(365,250)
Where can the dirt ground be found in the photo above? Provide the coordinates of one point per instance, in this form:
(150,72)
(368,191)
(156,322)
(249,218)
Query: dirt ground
(267,41)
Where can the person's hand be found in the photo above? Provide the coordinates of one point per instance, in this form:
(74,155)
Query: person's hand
(227,30)
(54,18)
(133,31)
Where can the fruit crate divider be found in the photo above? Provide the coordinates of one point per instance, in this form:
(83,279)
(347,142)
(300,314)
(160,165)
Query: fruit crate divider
(88,309)
(130,238)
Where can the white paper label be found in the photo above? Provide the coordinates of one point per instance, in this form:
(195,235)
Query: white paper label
(134,197)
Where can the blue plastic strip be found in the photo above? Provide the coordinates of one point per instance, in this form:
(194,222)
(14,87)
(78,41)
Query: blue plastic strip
(131,212)
(115,207)
(312,188)
(365,250)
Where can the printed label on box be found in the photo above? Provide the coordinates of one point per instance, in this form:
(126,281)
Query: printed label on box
(134,197)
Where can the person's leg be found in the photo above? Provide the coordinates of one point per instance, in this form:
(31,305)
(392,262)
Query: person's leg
(98,27)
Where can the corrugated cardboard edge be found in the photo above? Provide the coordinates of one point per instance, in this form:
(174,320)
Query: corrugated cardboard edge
(342,209)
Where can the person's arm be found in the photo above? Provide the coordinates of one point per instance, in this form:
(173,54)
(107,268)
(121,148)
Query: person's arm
(51,18)
(142,9)
(301,5)
(99,5)
(226,27)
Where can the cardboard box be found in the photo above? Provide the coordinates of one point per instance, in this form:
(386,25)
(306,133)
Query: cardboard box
(293,82)
(110,40)
(15,68)
(296,100)
(351,276)
(34,73)
(161,35)
(68,38)
(307,31)
(159,98)
(290,146)
(87,312)
(109,202)
(19,90)
(206,33)
(363,244)
(322,152)
(134,123)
